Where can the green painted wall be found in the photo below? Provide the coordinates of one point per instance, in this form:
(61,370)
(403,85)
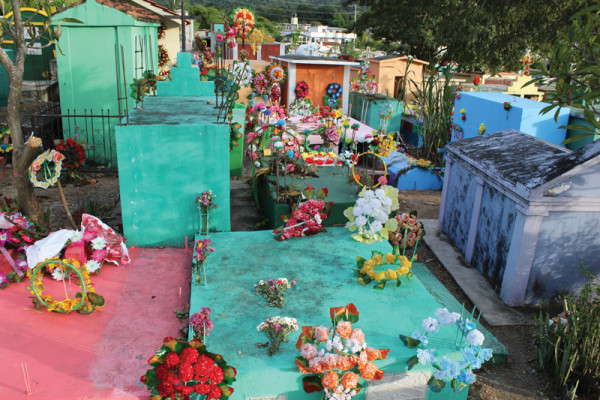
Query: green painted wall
(236,156)
(170,153)
(87,66)
(373,106)
(185,80)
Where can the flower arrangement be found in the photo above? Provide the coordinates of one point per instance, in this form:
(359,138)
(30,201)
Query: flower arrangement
(74,153)
(206,203)
(185,370)
(332,95)
(399,266)
(527,62)
(365,81)
(301,90)
(307,215)
(481,129)
(371,213)
(163,56)
(477,81)
(161,31)
(273,291)
(201,252)
(458,373)
(243,21)
(464,114)
(243,73)
(301,107)
(42,162)
(507,105)
(260,84)
(408,233)
(319,158)
(387,146)
(336,358)
(277,330)
(85,302)
(421,163)
(201,324)
(276,73)
(456,131)
(6,145)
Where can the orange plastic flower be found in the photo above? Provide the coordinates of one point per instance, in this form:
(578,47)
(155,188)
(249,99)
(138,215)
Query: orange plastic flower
(349,380)
(309,351)
(330,361)
(345,363)
(330,380)
(358,335)
(344,328)
(315,366)
(321,333)
(373,354)
(368,371)
(362,361)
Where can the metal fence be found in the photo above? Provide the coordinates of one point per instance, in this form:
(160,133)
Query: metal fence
(97,131)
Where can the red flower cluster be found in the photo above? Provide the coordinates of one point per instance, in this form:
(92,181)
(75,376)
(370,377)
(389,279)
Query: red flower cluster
(307,213)
(193,370)
(324,111)
(73,151)
(301,90)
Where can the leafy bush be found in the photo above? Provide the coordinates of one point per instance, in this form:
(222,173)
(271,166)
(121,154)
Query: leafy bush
(569,344)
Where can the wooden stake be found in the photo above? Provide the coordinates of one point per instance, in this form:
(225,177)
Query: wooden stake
(64,202)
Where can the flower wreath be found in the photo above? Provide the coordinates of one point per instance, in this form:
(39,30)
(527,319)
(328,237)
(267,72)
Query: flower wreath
(243,21)
(366,272)
(276,73)
(301,90)
(260,83)
(179,369)
(73,151)
(86,301)
(457,131)
(163,56)
(41,163)
(8,146)
(334,90)
(161,31)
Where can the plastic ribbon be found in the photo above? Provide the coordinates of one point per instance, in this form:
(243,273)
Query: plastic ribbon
(10,260)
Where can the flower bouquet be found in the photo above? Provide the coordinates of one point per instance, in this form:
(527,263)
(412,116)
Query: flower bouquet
(186,370)
(448,370)
(398,266)
(277,329)
(307,215)
(205,203)
(371,213)
(74,153)
(336,358)
(201,324)
(201,251)
(407,234)
(273,291)
(319,158)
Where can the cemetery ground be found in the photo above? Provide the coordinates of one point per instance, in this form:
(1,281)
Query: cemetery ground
(516,379)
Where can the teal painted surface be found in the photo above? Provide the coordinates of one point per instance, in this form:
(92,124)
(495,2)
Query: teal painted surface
(87,66)
(236,156)
(4,81)
(362,104)
(185,80)
(578,120)
(342,193)
(323,266)
(169,154)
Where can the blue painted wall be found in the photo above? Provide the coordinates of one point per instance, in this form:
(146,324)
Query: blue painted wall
(566,245)
(494,234)
(459,206)
(524,116)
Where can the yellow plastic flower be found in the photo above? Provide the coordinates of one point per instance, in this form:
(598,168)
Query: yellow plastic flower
(390,258)
(372,274)
(365,269)
(380,276)
(338,113)
(402,271)
(391,275)
(378,259)
(462,111)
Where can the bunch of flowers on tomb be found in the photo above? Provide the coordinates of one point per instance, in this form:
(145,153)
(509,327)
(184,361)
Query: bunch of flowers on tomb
(336,358)
(85,300)
(319,158)
(371,214)
(408,233)
(243,73)
(46,169)
(202,250)
(301,90)
(386,145)
(301,107)
(164,75)
(260,85)
(276,73)
(277,330)
(420,163)
(382,269)
(365,81)
(205,203)
(243,21)
(307,215)
(17,233)
(6,145)
(273,290)
(231,37)
(201,324)
(187,370)
(74,152)
(455,367)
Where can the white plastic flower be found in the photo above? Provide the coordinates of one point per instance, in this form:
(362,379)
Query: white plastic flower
(98,243)
(475,338)
(376,226)
(431,325)
(92,266)
(77,236)
(446,317)
(58,275)
(380,193)
(360,221)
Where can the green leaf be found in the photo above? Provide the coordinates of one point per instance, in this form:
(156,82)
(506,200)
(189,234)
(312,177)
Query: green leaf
(410,342)
(360,261)
(308,193)
(72,20)
(364,281)
(376,253)
(398,282)
(436,385)
(95,299)
(391,224)
(321,195)
(414,360)
(578,137)
(380,285)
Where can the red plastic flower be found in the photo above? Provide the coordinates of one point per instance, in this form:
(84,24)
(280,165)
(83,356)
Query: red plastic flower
(171,360)
(477,80)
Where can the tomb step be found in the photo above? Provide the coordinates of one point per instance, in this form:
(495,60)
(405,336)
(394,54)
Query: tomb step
(244,214)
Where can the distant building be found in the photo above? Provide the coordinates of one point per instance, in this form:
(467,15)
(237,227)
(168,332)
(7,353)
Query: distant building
(321,34)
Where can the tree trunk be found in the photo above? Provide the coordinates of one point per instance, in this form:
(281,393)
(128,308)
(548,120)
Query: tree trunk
(23,154)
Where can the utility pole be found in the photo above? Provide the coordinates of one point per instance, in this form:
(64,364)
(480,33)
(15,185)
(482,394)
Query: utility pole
(183,25)
(355,13)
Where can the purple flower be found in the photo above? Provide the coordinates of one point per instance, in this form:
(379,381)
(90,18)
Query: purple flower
(3,278)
